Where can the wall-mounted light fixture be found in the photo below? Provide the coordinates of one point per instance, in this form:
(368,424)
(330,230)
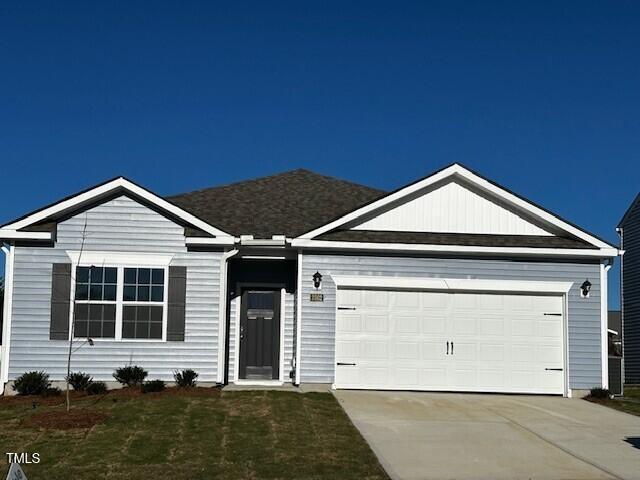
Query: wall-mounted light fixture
(585,288)
(317,279)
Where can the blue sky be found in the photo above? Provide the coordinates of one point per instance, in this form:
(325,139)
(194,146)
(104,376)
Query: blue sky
(542,97)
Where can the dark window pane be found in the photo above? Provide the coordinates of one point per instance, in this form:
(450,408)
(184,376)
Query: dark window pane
(109,312)
(81,311)
(96,274)
(155,330)
(260,300)
(128,329)
(95,292)
(144,276)
(143,314)
(130,276)
(129,293)
(143,294)
(157,277)
(156,314)
(110,275)
(128,314)
(95,329)
(110,292)
(109,329)
(80,329)
(142,329)
(95,312)
(82,291)
(157,294)
(82,274)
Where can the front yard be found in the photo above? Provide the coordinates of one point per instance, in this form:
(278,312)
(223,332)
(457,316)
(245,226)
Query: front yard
(202,435)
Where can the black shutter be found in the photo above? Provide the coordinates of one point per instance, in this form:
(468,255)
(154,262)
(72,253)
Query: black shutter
(60,301)
(177,301)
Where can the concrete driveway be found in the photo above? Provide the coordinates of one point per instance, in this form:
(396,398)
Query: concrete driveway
(467,436)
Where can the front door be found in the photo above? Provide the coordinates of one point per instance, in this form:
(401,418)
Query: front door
(260,335)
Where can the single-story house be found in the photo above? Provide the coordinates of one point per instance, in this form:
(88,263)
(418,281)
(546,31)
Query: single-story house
(451,283)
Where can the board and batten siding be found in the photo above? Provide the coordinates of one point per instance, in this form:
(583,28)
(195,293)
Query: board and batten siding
(121,225)
(318,318)
(631,295)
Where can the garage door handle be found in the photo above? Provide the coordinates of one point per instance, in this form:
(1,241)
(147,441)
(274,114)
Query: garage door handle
(451,348)
(447,348)
(555,369)
(344,363)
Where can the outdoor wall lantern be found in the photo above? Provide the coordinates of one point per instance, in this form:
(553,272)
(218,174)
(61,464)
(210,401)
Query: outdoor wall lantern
(585,288)
(317,279)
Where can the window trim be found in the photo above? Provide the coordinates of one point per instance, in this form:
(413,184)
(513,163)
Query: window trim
(80,261)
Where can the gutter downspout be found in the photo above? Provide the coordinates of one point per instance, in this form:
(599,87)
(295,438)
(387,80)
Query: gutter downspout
(6,318)
(222,314)
(620,231)
(298,354)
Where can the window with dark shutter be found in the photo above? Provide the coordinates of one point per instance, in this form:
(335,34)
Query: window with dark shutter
(60,301)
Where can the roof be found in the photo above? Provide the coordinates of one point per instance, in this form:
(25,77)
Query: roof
(629,211)
(461,239)
(288,203)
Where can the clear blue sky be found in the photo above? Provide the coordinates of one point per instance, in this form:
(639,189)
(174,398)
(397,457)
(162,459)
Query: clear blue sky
(542,97)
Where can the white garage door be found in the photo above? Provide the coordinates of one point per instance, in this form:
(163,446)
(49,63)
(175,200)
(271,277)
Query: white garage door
(476,342)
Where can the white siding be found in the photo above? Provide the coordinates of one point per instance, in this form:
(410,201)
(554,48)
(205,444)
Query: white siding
(452,207)
(117,225)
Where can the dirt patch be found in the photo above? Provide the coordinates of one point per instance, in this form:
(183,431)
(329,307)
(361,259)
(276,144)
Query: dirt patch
(134,392)
(11,400)
(63,420)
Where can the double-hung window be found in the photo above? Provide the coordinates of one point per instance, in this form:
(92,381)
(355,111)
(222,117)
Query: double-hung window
(120,302)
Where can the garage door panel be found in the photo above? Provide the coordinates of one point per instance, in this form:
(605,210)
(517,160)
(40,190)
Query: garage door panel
(500,342)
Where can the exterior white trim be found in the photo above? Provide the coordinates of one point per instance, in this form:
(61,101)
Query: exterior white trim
(115,259)
(479,182)
(9,253)
(9,234)
(209,240)
(282,320)
(298,320)
(425,248)
(458,284)
(260,383)
(105,189)
(236,366)
(222,314)
(604,323)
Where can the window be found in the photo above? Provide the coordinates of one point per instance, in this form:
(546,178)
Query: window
(119,302)
(95,310)
(143,303)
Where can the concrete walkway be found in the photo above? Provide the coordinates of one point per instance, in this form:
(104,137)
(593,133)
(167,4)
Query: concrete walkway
(467,436)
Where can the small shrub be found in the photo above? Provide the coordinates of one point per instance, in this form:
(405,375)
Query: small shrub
(96,388)
(599,393)
(131,375)
(32,383)
(79,381)
(185,378)
(51,392)
(153,386)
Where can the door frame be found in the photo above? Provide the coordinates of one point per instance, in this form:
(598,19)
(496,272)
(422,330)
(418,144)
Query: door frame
(240,288)
(457,285)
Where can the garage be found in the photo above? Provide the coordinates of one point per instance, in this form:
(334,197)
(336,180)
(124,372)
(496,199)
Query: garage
(451,339)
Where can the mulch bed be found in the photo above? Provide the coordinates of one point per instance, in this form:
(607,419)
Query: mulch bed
(63,420)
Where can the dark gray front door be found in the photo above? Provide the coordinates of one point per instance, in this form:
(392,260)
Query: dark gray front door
(260,334)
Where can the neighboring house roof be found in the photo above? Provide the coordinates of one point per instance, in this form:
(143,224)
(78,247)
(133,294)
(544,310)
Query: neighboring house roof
(629,211)
(461,239)
(289,203)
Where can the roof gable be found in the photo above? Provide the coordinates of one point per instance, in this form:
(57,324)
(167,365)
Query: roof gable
(36,225)
(453,206)
(509,213)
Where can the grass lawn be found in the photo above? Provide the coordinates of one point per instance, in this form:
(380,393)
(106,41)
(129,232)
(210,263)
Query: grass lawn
(629,403)
(232,435)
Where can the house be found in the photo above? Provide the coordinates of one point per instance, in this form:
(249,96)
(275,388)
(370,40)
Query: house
(629,231)
(450,283)
(615,352)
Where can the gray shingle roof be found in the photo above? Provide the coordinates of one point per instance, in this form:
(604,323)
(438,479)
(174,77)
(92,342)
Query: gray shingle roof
(461,239)
(290,203)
